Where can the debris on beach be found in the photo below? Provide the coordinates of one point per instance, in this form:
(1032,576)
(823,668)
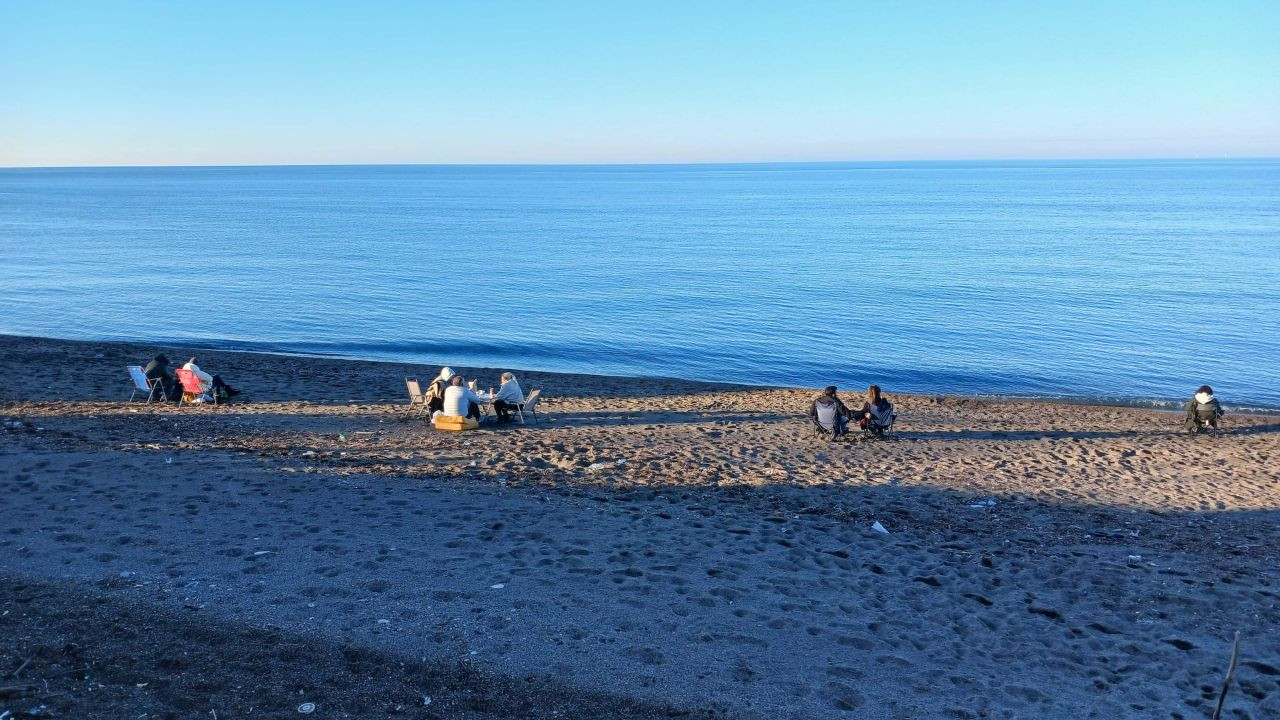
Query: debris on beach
(879,528)
(307,708)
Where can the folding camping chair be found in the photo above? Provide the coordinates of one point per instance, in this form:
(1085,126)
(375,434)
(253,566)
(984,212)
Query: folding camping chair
(828,422)
(530,406)
(190,385)
(416,398)
(141,383)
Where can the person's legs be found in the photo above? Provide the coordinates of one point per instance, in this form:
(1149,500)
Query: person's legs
(473,410)
(1192,422)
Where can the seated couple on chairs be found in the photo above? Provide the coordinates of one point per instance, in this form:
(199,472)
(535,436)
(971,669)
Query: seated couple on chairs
(165,382)
(831,417)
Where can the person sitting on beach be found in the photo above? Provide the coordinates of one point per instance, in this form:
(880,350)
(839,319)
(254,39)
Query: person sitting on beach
(158,369)
(509,397)
(829,414)
(1203,409)
(434,397)
(462,401)
(210,384)
(877,413)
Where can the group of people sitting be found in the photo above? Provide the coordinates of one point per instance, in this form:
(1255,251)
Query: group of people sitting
(212,386)
(832,417)
(450,395)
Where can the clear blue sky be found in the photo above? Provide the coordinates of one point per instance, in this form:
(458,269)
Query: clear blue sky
(136,83)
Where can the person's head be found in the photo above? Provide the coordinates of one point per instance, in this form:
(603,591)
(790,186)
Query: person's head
(508,377)
(1205,389)
(455,380)
(873,394)
(160,360)
(829,390)
(446,373)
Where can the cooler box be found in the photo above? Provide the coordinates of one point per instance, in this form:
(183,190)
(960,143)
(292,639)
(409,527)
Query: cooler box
(456,424)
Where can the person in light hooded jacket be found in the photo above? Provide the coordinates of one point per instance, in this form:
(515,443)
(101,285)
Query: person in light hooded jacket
(1203,408)
(435,391)
(508,398)
(210,383)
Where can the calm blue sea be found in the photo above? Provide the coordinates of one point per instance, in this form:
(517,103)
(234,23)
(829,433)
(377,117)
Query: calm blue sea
(1130,281)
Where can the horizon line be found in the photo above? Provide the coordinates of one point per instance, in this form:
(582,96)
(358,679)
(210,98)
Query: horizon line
(644,164)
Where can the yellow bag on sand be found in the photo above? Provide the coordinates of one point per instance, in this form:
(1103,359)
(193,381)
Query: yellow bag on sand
(455,424)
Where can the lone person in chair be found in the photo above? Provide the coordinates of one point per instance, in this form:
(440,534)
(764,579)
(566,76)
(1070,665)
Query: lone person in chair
(1203,409)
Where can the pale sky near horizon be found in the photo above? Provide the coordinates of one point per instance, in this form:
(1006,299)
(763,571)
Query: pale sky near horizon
(164,83)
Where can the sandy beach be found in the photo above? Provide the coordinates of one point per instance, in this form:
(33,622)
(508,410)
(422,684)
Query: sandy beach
(650,548)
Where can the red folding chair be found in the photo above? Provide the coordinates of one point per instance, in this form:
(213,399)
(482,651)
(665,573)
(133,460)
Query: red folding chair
(190,384)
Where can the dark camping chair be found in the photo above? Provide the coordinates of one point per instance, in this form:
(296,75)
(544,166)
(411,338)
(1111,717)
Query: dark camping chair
(880,425)
(1206,416)
(829,422)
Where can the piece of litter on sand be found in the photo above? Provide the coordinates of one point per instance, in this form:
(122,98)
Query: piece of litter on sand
(498,586)
(622,461)
(262,552)
(342,437)
(383,621)
(1135,557)
(597,466)
(307,708)
(426,699)
(879,528)
(308,453)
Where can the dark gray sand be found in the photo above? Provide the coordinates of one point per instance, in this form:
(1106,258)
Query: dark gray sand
(1062,562)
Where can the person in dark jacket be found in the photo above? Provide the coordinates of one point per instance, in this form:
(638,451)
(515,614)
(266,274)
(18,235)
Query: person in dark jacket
(876,411)
(158,369)
(829,414)
(1203,409)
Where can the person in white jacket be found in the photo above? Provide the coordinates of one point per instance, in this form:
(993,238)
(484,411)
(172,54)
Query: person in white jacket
(462,401)
(508,398)
(434,396)
(209,383)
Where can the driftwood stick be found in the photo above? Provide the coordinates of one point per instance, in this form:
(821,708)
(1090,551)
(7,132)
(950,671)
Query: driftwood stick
(18,689)
(1226,682)
(24,664)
